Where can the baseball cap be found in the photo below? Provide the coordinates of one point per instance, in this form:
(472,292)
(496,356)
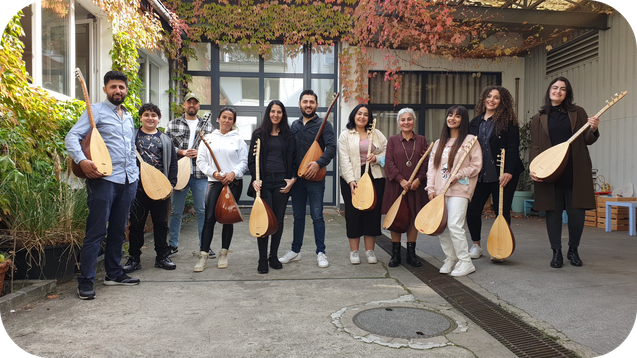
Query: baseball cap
(190,96)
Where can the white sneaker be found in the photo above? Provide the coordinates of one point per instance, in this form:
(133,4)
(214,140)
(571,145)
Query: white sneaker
(202,264)
(223,259)
(322,260)
(290,256)
(448,266)
(463,268)
(475,251)
(371,257)
(354,258)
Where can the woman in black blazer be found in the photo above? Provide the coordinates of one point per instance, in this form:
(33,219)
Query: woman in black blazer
(496,127)
(277,168)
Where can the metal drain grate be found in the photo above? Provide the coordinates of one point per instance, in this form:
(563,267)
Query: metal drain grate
(516,335)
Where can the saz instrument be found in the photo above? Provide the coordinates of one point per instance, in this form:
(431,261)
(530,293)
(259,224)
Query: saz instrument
(364,197)
(262,219)
(92,144)
(184,165)
(501,242)
(432,218)
(154,182)
(226,210)
(398,217)
(315,152)
(550,164)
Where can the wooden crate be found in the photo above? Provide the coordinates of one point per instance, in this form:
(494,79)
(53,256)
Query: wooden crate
(591,218)
(613,227)
(620,222)
(601,200)
(615,212)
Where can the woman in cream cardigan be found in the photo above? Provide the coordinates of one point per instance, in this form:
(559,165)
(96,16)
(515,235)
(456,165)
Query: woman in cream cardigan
(353,143)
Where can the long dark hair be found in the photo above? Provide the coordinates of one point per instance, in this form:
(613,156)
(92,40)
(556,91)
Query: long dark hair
(351,123)
(446,135)
(266,126)
(504,114)
(567,105)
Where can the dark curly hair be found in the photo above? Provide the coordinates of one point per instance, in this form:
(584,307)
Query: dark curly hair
(504,114)
(351,122)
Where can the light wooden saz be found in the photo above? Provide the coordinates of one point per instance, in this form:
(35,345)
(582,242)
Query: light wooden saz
(432,218)
(92,144)
(184,165)
(501,242)
(550,164)
(398,216)
(154,182)
(364,197)
(315,152)
(262,219)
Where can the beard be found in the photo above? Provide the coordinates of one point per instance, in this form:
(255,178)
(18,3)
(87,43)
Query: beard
(192,111)
(310,115)
(117,101)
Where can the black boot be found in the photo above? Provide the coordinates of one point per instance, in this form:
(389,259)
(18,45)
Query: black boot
(557,261)
(573,256)
(263,265)
(395,254)
(274,262)
(412,259)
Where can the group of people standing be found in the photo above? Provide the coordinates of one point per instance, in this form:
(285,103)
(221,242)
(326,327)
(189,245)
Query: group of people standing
(392,166)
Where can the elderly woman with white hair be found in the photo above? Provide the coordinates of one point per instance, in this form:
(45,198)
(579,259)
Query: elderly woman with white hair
(403,153)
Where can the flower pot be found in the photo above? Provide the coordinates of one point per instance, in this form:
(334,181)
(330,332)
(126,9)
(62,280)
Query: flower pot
(517,205)
(4,267)
(54,263)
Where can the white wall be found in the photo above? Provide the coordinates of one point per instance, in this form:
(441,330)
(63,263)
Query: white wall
(593,83)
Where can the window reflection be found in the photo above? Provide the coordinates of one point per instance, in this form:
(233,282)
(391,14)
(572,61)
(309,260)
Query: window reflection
(323,59)
(233,59)
(55,50)
(239,91)
(284,59)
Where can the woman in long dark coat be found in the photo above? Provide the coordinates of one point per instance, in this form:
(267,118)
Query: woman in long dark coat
(403,153)
(556,122)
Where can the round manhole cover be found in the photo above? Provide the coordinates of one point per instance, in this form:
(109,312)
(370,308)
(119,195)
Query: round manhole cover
(403,322)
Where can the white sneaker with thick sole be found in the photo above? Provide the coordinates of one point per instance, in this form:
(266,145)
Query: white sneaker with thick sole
(290,256)
(223,259)
(448,266)
(354,258)
(475,251)
(371,257)
(463,268)
(322,260)
(203,262)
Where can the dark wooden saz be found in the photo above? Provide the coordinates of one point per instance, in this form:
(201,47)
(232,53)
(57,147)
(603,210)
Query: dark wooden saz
(92,144)
(501,242)
(315,152)
(398,216)
(226,211)
(432,218)
(262,219)
(549,165)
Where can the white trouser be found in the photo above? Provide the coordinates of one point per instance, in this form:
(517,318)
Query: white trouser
(454,240)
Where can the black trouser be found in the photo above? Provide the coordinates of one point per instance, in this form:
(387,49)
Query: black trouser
(159,210)
(576,217)
(212,195)
(362,223)
(271,194)
(480,196)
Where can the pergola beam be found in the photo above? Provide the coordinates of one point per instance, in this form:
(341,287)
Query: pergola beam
(563,19)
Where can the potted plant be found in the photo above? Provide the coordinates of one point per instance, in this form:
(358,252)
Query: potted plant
(525,184)
(42,220)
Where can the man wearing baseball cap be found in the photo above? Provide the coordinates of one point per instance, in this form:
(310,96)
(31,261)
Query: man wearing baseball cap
(184,133)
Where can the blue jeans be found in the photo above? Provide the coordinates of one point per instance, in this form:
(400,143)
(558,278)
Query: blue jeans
(312,192)
(109,205)
(198,187)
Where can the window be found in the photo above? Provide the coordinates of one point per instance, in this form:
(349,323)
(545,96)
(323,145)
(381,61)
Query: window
(55,46)
(248,82)
(429,94)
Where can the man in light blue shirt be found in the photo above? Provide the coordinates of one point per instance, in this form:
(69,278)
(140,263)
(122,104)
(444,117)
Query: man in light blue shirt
(109,197)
